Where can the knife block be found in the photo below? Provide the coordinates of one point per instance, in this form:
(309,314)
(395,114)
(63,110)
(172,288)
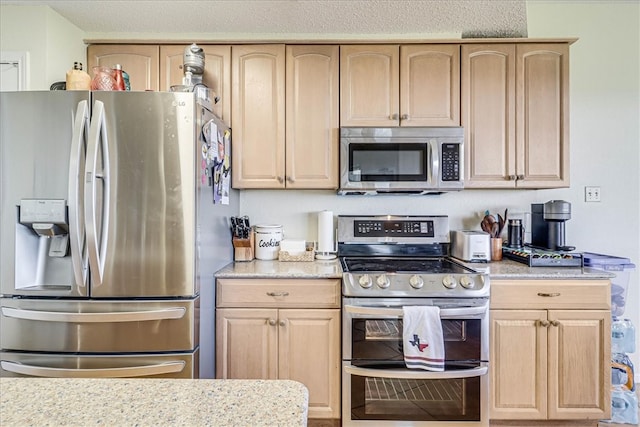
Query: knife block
(243,248)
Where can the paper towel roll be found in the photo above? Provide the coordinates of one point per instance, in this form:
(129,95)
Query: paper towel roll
(325,232)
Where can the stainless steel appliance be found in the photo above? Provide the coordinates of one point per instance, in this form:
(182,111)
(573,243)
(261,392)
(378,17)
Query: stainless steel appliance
(548,225)
(416,160)
(390,262)
(470,245)
(109,234)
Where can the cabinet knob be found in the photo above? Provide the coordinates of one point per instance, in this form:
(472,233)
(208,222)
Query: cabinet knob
(272,322)
(283,323)
(543,323)
(521,177)
(394,116)
(404,117)
(280,180)
(549,294)
(511,177)
(555,323)
(291,180)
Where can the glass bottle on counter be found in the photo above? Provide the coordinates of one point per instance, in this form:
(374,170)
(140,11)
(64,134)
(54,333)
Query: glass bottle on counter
(119,78)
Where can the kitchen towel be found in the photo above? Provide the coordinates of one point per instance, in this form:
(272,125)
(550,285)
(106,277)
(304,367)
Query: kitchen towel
(422,338)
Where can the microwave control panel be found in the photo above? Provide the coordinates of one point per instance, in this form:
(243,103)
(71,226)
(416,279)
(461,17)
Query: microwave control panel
(450,162)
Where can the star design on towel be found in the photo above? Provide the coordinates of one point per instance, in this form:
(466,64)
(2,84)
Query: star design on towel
(416,343)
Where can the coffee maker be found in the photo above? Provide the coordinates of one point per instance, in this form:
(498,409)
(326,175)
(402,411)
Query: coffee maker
(548,225)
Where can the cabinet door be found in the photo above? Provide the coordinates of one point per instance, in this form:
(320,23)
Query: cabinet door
(246,343)
(139,61)
(579,364)
(257,116)
(518,355)
(430,85)
(312,119)
(309,352)
(369,85)
(217,73)
(488,115)
(542,115)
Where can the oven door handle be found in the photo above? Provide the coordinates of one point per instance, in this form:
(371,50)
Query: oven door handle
(445,313)
(416,374)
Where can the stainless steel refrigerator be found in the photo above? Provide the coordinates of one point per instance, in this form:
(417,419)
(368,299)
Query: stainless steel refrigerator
(109,235)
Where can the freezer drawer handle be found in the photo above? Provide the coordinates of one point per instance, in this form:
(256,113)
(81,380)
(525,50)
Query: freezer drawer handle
(122,316)
(415,374)
(130,371)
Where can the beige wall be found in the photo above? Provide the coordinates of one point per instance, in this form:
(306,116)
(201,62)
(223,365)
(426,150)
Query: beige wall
(53,42)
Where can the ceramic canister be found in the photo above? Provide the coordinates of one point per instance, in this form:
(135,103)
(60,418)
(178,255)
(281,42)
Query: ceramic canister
(268,239)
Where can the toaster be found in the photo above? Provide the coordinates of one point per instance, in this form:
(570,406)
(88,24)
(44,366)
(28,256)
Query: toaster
(470,245)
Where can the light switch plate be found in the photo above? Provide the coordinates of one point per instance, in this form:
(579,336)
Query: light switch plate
(591,194)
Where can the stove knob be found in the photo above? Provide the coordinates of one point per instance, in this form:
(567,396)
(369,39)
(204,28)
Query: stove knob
(416,281)
(449,282)
(383,281)
(467,282)
(365,281)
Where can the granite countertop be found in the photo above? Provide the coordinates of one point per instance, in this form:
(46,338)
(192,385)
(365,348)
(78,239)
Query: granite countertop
(318,269)
(505,269)
(509,269)
(151,402)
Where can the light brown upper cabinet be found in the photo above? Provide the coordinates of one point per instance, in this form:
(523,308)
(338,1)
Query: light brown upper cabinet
(257,115)
(217,73)
(400,85)
(266,154)
(139,61)
(515,106)
(312,140)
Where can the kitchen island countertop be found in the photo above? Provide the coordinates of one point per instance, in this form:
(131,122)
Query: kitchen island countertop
(151,402)
(505,269)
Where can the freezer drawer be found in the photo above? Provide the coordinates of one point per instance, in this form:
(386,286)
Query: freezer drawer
(56,365)
(99,326)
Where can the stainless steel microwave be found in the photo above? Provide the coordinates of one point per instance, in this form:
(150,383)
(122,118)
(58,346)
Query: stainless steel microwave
(414,160)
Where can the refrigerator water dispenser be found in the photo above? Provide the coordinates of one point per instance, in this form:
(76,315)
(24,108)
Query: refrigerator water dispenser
(42,244)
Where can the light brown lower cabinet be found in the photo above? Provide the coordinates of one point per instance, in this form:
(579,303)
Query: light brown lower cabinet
(550,350)
(282,329)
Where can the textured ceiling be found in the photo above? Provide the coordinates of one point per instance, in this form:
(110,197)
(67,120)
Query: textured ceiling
(462,18)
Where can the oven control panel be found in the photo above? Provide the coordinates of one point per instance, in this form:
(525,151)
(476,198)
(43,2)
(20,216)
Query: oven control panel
(399,228)
(395,229)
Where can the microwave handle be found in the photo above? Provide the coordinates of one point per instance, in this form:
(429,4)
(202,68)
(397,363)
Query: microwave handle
(434,160)
(445,313)
(416,374)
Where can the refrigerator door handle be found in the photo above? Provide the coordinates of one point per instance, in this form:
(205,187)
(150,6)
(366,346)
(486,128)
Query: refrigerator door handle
(125,372)
(109,317)
(97,244)
(76,214)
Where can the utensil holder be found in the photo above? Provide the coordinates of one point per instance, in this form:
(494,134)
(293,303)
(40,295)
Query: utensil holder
(496,249)
(243,248)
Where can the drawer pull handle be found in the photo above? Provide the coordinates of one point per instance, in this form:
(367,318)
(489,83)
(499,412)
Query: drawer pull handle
(548,294)
(278,294)
(544,323)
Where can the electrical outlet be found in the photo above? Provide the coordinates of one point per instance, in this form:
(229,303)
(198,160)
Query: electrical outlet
(591,194)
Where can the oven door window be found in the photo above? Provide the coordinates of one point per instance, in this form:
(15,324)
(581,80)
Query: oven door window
(381,339)
(388,162)
(401,399)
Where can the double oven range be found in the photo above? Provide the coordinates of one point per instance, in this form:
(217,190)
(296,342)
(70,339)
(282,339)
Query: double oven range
(390,262)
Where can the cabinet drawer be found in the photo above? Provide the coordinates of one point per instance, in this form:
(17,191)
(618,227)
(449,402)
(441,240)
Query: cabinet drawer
(551,294)
(278,293)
